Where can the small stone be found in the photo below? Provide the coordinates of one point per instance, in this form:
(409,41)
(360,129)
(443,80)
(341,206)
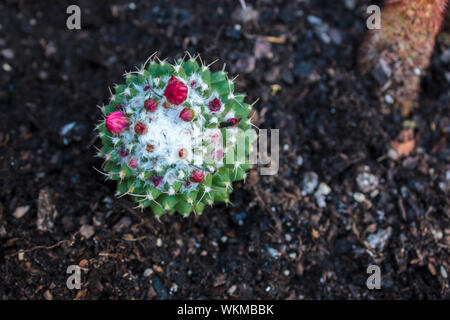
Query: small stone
(20,211)
(87,231)
(336,36)
(67,128)
(262,49)
(286,272)
(287,237)
(159,242)
(292,255)
(6,67)
(246,64)
(310,182)
(388,99)
(46,211)
(246,14)
(443,272)
(359,197)
(232,289)
(122,225)
(148,272)
(378,240)
(314,20)
(273,252)
(48,295)
(367,182)
(350,4)
(8,53)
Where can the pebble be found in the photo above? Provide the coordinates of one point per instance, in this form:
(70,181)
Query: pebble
(232,289)
(359,197)
(443,272)
(67,128)
(287,237)
(314,20)
(292,255)
(148,272)
(310,182)
(388,99)
(378,240)
(273,252)
(20,211)
(350,4)
(159,242)
(286,272)
(8,53)
(322,191)
(6,67)
(367,182)
(87,231)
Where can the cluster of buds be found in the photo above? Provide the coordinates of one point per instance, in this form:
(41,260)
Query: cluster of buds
(171,135)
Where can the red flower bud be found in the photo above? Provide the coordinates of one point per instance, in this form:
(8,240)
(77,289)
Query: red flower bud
(150,105)
(133,163)
(187,114)
(234,121)
(150,147)
(215,105)
(156,180)
(176,91)
(166,104)
(146,88)
(123,152)
(120,108)
(116,122)
(140,128)
(182,153)
(197,176)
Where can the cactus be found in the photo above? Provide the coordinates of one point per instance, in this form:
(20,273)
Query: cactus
(403,46)
(175,137)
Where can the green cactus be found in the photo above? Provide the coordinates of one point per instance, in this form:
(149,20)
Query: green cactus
(175,137)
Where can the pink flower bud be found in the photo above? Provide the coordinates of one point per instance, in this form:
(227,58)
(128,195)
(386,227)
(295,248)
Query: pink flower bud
(150,105)
(140,128)
(197,176)
(215,105)
(176,91)
(187,114)
(133,163)
(116,122)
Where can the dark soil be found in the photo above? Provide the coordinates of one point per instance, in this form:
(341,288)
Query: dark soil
(275,241)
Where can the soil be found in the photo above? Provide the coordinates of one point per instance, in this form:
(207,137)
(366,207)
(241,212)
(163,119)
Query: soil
(281,238)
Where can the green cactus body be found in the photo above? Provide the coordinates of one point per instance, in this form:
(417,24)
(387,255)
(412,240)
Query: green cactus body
(175,137)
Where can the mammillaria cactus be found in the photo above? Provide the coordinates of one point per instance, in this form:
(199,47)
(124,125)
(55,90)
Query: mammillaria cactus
(175,137)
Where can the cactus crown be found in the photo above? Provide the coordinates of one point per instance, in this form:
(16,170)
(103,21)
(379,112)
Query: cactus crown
(172,134)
